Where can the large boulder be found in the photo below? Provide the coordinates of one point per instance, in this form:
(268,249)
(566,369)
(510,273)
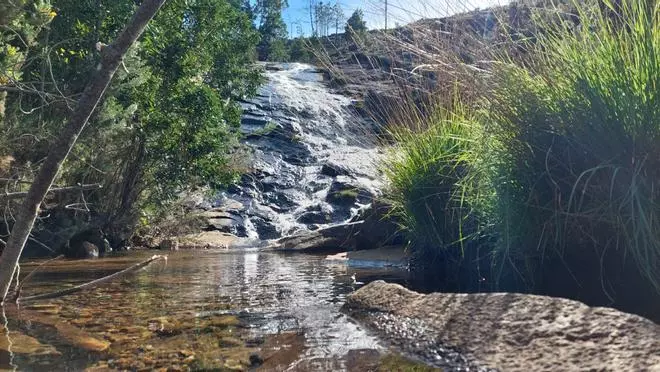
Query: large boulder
(224,221)
(509,332)
(332,239)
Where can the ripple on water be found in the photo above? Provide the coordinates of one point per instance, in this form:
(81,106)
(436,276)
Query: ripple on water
(199,310)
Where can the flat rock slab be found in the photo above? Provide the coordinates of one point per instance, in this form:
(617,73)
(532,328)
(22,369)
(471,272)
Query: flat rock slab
(332,239)
(208,239)
(518,332)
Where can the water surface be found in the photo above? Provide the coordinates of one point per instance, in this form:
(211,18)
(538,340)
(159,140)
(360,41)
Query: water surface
(199,310)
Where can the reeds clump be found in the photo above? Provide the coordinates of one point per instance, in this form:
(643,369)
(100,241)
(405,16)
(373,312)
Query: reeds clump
(575,154)
(553,174)
(429,172)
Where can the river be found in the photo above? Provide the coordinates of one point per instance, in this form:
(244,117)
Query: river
(240,308)
(197,310)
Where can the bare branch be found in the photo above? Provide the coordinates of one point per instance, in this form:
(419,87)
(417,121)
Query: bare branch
(22,194)
(93,283)
(27,278)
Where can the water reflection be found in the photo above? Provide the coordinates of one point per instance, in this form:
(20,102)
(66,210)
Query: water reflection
(190,311)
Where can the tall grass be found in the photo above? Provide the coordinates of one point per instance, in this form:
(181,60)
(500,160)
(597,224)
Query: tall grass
(430,185)
(576,152)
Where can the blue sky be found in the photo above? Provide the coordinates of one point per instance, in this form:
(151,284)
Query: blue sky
(399,11)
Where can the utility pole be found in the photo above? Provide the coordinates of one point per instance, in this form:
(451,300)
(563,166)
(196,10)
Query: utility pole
(385,15)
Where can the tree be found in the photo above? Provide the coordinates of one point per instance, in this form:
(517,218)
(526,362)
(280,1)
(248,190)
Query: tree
(112,56)
(356,23)
(169,121)
(338,14)
(272,29)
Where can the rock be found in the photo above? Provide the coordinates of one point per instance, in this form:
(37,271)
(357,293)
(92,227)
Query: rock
(388,256)
(207,239)
(332,239)
(20,343)
(379,228)
(265,229)
(314,217)
(225,221)
(512,332)
(344,192)
(85,244)
(169,245)
(164,327)
(89,250)
(333,170)
(256,360)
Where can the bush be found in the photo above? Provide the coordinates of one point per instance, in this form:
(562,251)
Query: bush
(553,180)
(576,158)
(431,186)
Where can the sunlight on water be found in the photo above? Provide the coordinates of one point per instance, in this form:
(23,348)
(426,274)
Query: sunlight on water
(201,309)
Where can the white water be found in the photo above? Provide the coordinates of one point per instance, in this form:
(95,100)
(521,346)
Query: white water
(323,126)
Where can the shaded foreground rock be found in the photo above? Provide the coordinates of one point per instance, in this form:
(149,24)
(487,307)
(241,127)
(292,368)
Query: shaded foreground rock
(510,332)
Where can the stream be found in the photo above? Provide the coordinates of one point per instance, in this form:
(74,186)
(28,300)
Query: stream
(312,163)
(201,310)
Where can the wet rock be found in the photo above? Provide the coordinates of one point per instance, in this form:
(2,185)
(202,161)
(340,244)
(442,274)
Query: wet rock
(379,228)
(332,239)
(225,222)
(265,229)
(344,192)
(509,332)
(19,343)
(89,250)
(256,360)
(171,244)
(314,217)
(164,327)
(333,170)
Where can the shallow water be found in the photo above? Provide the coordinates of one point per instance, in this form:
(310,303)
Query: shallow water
(199,310)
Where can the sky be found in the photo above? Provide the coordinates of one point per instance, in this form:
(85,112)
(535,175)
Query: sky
(399,11)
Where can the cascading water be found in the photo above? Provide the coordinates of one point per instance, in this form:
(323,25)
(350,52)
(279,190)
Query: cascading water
(313,160)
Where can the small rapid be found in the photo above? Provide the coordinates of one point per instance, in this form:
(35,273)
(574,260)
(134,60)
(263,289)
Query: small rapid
(313,160)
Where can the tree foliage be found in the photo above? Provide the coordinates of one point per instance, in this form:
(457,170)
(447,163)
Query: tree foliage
(356,23)
(170,118)
(327,16)
(272,29)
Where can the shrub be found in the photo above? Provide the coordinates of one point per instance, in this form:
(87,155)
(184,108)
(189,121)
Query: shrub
(576,157)
(430,185)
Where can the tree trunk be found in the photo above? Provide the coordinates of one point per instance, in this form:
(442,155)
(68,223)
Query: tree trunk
(111,58)
(3,100)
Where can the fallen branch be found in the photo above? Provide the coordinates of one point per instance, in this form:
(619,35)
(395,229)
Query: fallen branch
(93,283)
(59,190)
(19,285)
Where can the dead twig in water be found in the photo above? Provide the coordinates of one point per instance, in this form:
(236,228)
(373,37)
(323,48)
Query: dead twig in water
(27,278)
(93,283)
